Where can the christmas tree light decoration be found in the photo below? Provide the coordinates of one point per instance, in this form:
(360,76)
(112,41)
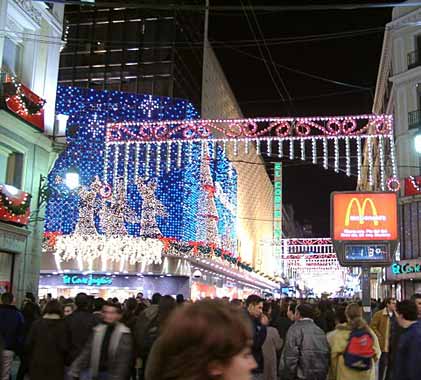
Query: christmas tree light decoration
(336,145)
(370,160)
(207,213)
(115,167)
(126,164)
(136,161)
(314,151)
(246,146)
(359,158)
(325,154)
(224,147)
(381,160)
(393,156)
(190,152)
(291,149)
(348,157)
(151,208)
(149,105)
(303,150)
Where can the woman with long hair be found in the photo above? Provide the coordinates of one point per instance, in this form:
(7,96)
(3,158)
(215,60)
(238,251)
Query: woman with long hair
(339,342)
(203,341)
(47,344)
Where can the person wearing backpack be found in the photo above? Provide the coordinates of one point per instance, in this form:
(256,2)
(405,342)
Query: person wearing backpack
(354,348)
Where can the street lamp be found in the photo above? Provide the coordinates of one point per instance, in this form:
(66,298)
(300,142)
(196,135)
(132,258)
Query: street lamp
(72,178)
(417,142)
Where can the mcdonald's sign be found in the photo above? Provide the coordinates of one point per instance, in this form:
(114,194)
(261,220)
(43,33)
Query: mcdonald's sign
(364,216)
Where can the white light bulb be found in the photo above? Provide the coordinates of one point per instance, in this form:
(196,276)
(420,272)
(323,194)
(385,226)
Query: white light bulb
(72,180)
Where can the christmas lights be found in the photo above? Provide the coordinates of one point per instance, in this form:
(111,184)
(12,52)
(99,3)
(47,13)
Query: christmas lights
(370,161)
(348,157)
(336,146)
(381,160)
(314,151)
(325,155)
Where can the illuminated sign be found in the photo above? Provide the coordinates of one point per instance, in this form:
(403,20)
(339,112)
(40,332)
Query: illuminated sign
(277,202)
(365,216)
(369,252)
(406,268)
(87,280)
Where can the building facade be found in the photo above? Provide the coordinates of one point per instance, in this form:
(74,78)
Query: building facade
(398,92)
(29,56)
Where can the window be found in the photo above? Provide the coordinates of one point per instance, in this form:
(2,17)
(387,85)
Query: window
(11,56)
(11,167)
(6,271)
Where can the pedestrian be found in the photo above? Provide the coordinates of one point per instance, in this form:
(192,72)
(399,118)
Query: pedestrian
(408,355)
(417,299)
(109,352)
(279,319)
(47,344)
(306,352)
(31,312)
(381,324)
(11,331)
(143,348)
(254,306)
(339,341)
(206,340)
(271,347)
(79,326)
(98,304)
(68,309)
(291,311)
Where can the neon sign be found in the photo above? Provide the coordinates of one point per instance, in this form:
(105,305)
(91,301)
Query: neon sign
(405,268)
(87,280)
(277,203)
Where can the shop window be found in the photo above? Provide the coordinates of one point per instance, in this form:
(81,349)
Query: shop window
(11,167)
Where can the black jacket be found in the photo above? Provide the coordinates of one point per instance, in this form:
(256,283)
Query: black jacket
(11,327)
(46,349)
(259,337)
(79,329)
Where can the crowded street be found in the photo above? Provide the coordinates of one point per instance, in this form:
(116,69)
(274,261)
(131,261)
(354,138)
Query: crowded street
(210,190)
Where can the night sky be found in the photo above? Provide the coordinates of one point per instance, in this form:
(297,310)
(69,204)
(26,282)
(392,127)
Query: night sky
(353,60)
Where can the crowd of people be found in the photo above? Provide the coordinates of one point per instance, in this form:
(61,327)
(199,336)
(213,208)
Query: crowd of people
(166,338)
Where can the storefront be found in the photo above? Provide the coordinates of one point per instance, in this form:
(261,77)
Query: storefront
(108,285)
(404,278)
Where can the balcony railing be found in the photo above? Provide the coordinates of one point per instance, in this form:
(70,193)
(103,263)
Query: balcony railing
(414,119)
(414,59)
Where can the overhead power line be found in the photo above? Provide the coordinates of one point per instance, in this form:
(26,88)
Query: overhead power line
(261,7)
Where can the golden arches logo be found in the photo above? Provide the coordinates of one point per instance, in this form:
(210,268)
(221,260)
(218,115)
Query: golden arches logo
(361,211)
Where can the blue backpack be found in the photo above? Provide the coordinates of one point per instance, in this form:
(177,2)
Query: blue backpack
(359,352)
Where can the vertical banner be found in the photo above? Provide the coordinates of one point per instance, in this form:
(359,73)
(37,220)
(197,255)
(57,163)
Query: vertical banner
(277,208)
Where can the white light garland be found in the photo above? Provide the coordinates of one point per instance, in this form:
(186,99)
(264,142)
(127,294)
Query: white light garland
(106,154)
(235,147)
(168,164)
(224,146)
(158,159)
(314,151)
(348,157)
(147,160)
(126,165)
(258,151)
(122,248)
(393,156)
(336,146)
(190,152)
(280,148)
(136,161)
(269,147)
(246,146)
(370,161)
(381,159)
(291,149)
(303,150)
(214,149)
(359,158)
(179,153)
(115,168)
(325,154)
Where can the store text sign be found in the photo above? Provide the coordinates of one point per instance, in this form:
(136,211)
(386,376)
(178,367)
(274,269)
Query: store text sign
(407,268)
(365,216)
(87,280)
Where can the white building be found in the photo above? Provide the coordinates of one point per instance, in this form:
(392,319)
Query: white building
(30,43)
(398,92)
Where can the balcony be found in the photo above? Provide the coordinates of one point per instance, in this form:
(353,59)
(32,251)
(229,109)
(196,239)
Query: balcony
(414,59)
(414,119)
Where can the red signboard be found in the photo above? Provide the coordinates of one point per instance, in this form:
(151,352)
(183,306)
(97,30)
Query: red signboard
(365,216)
(14,205)
(24,103)
(412,186)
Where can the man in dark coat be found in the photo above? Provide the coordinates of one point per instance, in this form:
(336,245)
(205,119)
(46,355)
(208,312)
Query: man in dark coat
(109,352)
(408,355)
(11,331)
(79,326)
(254,305)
